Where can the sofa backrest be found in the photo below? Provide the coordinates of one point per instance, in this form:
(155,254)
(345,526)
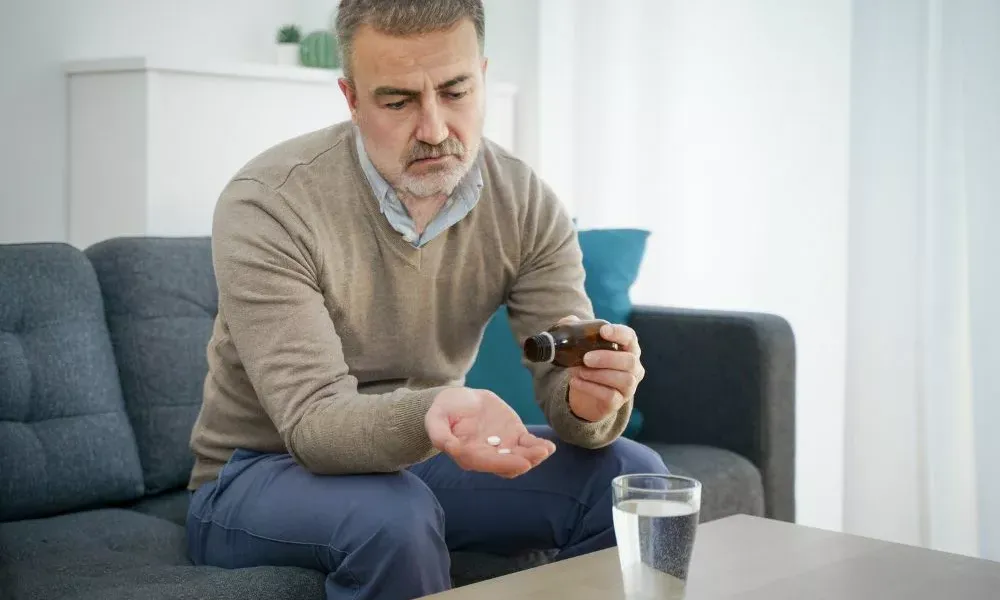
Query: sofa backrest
(65,439)
(161,299)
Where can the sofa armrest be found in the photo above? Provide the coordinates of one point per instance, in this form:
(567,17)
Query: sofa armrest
(723,379)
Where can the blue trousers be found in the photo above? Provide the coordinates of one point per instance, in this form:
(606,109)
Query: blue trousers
(388,536)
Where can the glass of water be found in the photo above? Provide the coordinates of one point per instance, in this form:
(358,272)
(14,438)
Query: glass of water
(655,520)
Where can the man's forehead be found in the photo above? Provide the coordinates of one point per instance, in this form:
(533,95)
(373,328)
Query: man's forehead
(381,59)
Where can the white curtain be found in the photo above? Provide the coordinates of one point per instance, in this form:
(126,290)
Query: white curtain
(722,126)
(923,395)
(834,162)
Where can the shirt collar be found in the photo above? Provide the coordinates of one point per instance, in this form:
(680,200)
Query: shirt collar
(378,183)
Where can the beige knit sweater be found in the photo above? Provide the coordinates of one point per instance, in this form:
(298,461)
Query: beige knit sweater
(334,334)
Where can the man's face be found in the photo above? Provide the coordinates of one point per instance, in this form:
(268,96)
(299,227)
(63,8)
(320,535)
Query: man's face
(419,104)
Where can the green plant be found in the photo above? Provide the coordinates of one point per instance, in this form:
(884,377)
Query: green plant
(289,34)
(319,49)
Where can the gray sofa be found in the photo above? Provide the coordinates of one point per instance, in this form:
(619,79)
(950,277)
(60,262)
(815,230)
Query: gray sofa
(102,358)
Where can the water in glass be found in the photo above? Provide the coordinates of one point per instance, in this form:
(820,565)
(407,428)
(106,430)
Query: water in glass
(655,534)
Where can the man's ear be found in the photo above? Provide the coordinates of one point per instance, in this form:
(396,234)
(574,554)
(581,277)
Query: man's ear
(486,63)
(350,94)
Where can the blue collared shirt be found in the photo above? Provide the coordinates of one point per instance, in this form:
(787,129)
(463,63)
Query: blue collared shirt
(458,205)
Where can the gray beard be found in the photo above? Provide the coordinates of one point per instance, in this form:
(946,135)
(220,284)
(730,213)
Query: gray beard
(433,184)
(439,182)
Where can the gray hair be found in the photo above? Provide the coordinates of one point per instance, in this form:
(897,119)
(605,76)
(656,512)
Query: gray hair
(403,18)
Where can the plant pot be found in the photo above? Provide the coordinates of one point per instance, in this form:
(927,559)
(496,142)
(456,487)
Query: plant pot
(287,54)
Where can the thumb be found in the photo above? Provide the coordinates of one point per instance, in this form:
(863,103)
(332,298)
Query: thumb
(439,431)
(569,319)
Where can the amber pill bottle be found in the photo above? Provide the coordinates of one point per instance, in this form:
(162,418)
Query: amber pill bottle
(565,344)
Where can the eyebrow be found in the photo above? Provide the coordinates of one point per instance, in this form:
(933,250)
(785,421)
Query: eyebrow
(395,91)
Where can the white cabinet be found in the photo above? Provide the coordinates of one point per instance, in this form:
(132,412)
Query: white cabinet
(152,143)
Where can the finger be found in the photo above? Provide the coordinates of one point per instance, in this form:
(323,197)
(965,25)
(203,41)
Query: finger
(609,359)
(477,457)
(624,335)
(623,381)
(608,399)
(534,449)
(439,431)
(529,440)
(569,319)
(504,465)
(528,446)
(534,455)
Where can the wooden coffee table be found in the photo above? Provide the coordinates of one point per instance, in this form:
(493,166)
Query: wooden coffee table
(749,558)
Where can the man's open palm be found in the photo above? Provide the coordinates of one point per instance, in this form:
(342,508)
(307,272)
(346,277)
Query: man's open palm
(461,421)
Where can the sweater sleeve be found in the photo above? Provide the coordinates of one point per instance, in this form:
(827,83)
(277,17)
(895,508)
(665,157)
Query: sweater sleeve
(548,287)
(280,326)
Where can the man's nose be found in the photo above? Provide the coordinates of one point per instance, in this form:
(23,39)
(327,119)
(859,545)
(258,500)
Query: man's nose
(431,129)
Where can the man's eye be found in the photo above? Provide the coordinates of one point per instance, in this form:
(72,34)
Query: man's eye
(396,105)
(456,95)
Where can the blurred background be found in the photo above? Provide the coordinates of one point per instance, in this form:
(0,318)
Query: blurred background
(833,162)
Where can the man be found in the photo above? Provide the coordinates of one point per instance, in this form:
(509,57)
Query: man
(357,267)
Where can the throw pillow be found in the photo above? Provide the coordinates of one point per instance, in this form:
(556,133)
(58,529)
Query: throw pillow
(611,260)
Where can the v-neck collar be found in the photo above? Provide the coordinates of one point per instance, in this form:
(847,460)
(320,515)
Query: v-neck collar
(412,255)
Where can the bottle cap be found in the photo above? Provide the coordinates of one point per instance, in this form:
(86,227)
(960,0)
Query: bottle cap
(540,348)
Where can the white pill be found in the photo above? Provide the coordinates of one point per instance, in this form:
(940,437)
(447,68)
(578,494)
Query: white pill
(503,451)
(493,440)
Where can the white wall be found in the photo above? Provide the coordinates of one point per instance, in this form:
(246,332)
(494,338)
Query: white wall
(722,126)
(512,39)
(37,36)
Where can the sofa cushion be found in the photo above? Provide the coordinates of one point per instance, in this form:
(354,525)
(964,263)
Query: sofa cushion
(472,567)
(119,554)
(611,261)
(161,299)
(65,439)
(172,506)
(731,484)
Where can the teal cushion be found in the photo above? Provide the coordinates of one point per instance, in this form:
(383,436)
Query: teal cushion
(611,260)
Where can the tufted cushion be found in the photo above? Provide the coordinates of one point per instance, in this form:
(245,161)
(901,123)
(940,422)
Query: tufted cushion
(123,555)
(171,506)
(161,298)
(64,435)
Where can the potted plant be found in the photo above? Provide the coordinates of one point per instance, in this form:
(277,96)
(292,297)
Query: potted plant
(319,49)
(287,52)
